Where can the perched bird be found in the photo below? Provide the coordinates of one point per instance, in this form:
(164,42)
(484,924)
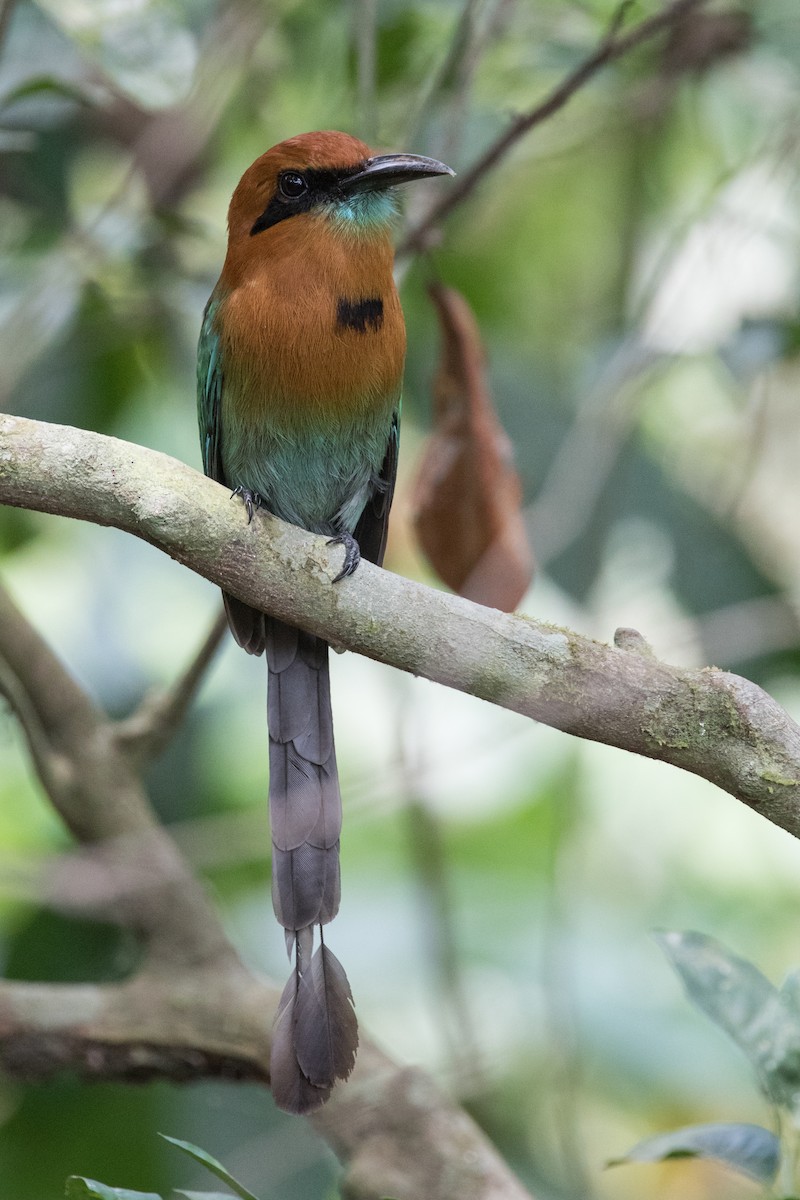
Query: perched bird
(300,367)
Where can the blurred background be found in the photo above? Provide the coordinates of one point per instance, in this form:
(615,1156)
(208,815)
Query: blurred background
(635,269)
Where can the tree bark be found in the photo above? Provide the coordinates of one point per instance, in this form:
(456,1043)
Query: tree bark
(715,724)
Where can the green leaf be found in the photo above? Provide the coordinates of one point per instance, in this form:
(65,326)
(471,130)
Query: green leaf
(211,1164)
(763,1022)
(79,1188)
(748,1149)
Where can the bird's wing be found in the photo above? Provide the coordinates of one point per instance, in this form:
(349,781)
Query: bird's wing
(209,393)
(373,524)
(247,624)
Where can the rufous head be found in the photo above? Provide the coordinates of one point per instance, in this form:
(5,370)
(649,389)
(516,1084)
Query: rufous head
(325,174)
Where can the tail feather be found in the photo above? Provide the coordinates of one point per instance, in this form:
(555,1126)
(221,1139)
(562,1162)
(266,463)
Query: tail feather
(246,624)
(294,701)
(296,799)
(315,743)
(292,1090)
(315,1034)
(325,1021)
(304,885)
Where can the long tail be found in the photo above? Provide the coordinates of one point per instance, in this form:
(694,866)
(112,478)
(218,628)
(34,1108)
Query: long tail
(315,1036)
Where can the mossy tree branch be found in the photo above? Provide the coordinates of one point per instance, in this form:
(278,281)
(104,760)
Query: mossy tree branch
(710,722)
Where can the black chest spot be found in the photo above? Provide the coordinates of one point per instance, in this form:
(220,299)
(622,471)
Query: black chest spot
(360,315)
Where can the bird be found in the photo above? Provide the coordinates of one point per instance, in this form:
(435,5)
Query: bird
(299,373)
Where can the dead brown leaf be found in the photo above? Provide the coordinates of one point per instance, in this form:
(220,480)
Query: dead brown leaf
(467,495)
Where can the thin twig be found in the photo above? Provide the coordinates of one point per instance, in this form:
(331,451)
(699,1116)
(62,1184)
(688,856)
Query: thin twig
(146,732)
(365,21)
(611,48)
(475,43)
(54,713)
(618,19)
(451,66)
(561,1018)
(48,765)
(583,463)
(6,13)
(429,861)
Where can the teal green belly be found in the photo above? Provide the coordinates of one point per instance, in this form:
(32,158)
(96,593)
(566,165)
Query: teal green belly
(320,480)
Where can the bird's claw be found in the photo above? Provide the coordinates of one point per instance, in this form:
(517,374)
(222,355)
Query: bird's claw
(251,499)
(352,553)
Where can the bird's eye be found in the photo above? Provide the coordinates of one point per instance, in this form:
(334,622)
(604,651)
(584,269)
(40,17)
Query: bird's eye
(291,184)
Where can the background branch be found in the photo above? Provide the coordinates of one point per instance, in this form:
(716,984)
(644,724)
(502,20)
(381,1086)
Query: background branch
(146,732)
(193,1010)
(396,1133)
(612,47)
(74,750)
(710,722)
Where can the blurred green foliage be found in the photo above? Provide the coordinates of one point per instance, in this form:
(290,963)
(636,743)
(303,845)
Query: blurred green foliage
(764,1023)
(634,265)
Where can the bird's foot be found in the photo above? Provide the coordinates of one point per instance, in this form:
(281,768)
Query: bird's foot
(252,500)
(352,553)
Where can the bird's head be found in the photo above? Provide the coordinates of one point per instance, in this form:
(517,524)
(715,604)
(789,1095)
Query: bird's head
(329,175)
